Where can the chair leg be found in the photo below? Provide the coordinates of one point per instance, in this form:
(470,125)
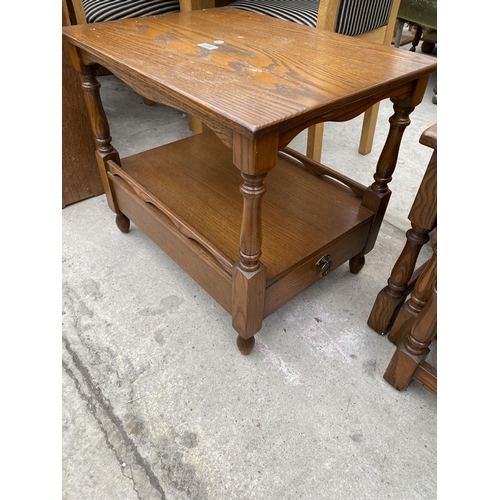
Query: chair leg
(315,141)
(195,125)
(399,31)
(368,130)
(416,38)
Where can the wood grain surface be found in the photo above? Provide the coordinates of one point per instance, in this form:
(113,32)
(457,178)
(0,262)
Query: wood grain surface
(267,71)
(80,174)
(251,226)
(300,212)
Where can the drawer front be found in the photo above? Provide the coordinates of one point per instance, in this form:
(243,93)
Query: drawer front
(291,284)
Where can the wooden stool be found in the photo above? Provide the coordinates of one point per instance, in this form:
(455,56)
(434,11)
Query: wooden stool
(423,218)
(412,308)
(413,331)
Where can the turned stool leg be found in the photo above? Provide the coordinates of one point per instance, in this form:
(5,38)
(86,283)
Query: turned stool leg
(410,354)
(419,296)
(423,218)
(393,295)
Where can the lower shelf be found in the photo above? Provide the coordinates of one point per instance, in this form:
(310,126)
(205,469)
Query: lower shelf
(195,183)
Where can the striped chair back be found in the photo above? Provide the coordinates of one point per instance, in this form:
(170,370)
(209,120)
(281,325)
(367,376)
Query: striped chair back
(108,10)
(354,17)
(297,11)
(360,16)
(372,20)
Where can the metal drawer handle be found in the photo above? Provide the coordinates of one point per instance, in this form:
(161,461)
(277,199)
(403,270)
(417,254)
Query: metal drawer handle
(325,265)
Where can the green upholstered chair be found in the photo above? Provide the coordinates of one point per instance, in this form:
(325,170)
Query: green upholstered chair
(422,15)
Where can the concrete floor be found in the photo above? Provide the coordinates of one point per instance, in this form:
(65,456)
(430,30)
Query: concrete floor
(158,403)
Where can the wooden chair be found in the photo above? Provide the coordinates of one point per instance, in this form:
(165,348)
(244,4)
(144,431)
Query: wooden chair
(372,20)
(90,11)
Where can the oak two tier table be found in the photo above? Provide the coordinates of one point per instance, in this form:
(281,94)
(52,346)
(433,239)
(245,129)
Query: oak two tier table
(251,220)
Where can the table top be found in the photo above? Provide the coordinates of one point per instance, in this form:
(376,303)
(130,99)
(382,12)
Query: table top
(251,71)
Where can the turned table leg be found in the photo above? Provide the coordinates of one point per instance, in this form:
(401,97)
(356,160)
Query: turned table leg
(249,274)
(356,264)
(123,222)
(100,126)
(376,197)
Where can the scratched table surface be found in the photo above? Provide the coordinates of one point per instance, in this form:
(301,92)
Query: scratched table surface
(252,71)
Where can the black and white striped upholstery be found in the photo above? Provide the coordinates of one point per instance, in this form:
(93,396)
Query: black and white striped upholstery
(297,11)
(107,10)
(353,18)
(360,16)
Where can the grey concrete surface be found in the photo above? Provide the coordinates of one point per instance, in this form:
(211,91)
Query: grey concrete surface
(158,403)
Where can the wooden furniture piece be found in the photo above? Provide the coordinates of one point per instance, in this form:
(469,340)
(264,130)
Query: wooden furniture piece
(422,16)
(413,333)
(80,174)
(420,294)
(91,11)
(423,218)
(251,220)
(372,20)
